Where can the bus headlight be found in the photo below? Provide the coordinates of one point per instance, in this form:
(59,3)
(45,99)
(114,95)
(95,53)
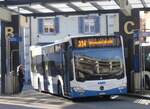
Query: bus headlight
(78,89)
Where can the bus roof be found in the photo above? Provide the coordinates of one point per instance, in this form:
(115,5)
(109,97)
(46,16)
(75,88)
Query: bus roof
(67,39)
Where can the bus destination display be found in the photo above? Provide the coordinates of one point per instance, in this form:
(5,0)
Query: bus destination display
(96,42)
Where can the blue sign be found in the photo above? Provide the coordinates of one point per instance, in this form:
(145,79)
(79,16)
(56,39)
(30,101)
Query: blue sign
(136,35)
(15,39)
(145,33)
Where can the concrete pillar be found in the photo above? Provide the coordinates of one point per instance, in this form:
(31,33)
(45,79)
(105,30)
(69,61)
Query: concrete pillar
(124,6)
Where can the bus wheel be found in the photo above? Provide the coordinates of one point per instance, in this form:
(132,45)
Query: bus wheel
(59,89)
(107,97)
(147,82)
(39,85)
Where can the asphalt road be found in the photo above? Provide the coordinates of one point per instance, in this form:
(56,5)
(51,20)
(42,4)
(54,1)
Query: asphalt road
(30,99)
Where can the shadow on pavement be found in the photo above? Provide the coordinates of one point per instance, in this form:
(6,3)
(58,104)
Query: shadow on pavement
(96,99)
(30,96)
(8,106)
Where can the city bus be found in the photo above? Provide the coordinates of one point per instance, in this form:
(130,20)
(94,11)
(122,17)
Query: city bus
(81,66)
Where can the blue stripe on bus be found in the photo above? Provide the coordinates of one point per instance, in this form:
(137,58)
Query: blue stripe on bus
(88,93)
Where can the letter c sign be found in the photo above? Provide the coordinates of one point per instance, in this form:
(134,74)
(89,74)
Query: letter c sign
(127,25)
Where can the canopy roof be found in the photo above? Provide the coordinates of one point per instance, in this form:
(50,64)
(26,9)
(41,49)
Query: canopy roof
(72,7)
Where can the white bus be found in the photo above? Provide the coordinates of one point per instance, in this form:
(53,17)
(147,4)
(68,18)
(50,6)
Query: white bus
(80,67)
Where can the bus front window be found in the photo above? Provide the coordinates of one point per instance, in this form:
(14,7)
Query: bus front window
(96,64)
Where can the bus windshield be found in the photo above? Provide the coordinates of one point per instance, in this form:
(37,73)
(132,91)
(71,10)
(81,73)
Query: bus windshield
(104,63)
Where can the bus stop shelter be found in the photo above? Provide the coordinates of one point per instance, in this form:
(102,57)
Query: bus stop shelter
(43,8)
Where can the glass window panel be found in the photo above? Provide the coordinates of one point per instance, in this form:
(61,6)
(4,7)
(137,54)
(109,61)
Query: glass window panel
(147,3)
(86,28)
(41,8)
(49,25)
(137,6)
(84,6)
(24,11)
(92,29)
(89,25)
(15,8)
(111,19)
(62,7)
(136,3)
(44,10)
(108,4)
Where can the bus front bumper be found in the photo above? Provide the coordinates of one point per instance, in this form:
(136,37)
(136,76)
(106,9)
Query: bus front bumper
(90,93)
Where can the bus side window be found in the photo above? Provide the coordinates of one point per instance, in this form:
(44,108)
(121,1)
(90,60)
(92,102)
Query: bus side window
(46,67)
(53,68)
(33,64)
(49,68)
(39,66)
(70,67)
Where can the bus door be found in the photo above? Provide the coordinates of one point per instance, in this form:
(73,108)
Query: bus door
(66,63)
(45,74)
(145,66)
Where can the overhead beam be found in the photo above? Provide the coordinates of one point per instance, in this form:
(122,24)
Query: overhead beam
(97,6)
(117,2)
(30,9)
(73,7)
(125,7)
(51,7)
(72,13)
(143,9)
(22,2)
(143,3)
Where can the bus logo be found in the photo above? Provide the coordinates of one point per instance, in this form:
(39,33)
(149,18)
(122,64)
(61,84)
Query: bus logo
(102,82)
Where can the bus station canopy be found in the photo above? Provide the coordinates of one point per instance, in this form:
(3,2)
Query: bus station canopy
(73,7)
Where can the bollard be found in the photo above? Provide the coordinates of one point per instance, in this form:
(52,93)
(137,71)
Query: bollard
(8,84)
(15,83)
(11,84)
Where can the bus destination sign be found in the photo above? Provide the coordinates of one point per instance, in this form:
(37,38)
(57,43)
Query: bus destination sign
(95,42)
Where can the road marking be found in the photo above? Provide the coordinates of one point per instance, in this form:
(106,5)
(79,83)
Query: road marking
(142,101)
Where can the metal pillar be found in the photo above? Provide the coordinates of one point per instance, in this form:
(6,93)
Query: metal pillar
(3,57)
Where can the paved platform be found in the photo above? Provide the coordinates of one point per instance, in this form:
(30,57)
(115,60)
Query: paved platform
(31,99)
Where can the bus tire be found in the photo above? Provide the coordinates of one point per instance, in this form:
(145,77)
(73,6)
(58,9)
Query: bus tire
(147,82)
(39,85)
(59,89)
(107,97)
